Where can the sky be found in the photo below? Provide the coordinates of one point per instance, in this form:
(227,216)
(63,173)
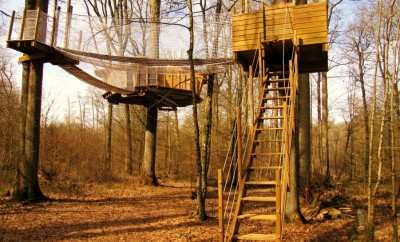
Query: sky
(61,86)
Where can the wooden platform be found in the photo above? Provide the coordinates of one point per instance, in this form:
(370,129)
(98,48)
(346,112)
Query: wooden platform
(159,97)
(276,28)
(41,51)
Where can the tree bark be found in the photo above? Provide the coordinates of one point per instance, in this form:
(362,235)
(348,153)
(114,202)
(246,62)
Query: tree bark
(27,184)
(293,212)
(128,131)
(200,200)
(319,146)
(393,144)
(365,115)
(107,165)
(205,149)
(325,125)
(149,157)
(304,132)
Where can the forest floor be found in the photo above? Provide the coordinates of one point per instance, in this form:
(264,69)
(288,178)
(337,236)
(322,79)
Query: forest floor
(124,211)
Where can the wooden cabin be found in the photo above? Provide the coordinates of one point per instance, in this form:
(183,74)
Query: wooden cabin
(275,29)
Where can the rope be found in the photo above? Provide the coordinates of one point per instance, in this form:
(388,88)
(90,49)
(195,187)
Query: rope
(82,55)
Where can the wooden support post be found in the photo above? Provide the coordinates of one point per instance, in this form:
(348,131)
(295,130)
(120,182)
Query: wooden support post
(68,24)
(239,143)
(11,25)
(278,229)
(54,43)
(220,206)
(37,23)
(147,77)
(53,30)
(21,34)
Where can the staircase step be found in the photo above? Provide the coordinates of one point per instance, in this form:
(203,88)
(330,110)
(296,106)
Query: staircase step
(272,107)
(277,88)
(274,117)
(258,217)
(264,183)
(268,128)
(259,199)
(258,237)
(276,98)
(278,80)
(264,167)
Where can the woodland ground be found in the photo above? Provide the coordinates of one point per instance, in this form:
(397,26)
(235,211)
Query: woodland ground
(125,211)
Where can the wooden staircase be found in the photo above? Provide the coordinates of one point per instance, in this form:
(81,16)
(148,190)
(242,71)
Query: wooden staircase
(261,194)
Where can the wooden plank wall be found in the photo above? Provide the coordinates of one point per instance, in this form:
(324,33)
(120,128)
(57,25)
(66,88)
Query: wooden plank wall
(159,77)
(278,23)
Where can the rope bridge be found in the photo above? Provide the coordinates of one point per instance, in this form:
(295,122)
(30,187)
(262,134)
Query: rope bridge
(111,56)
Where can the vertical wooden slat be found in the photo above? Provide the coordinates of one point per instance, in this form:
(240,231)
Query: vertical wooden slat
(57,23)
(239,143)
(37,23)
(53,30)
(220,206)
(11,25)
(164,78)
(68,24)
(21,34)
(147,76)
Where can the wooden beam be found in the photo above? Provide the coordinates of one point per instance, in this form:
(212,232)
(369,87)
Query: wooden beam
(68,24)
(11,25)
(37,23)
(21,34)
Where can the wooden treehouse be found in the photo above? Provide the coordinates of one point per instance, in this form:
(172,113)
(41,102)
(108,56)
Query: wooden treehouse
(276,29)
(274,44)
(134,80)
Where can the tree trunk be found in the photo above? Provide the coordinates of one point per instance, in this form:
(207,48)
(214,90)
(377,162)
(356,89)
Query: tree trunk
(149,157)
(304,128)
(200,200)
(292,204)
(177,143)
(292,211)
(319,146)
(128,131)
(325,126)
(27,184)
(393,144)
(365,118)
(205,148)
(107,165)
